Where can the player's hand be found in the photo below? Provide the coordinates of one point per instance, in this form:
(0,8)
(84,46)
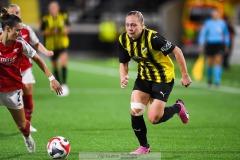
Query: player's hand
(124,81)
(54,31)
(55,85)
(50,53)
(186,80)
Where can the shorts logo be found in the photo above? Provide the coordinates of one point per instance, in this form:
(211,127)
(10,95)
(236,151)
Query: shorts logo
(163,94)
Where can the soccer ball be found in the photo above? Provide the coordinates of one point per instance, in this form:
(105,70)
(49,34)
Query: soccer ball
(58,147)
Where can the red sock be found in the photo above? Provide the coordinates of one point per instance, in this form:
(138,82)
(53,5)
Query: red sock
(28,106)
(26,130)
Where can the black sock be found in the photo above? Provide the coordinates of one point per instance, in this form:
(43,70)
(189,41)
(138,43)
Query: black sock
(140,130)
(169,112)
(56,75)
(64,75)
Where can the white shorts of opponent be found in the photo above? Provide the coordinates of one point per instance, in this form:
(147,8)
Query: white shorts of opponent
(28,77)
(12,100)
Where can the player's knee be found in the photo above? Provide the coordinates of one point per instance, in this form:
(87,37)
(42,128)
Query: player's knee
(155,118)
(137,109)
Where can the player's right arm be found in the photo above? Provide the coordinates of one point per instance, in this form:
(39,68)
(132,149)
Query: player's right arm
(124,74)
(124,58)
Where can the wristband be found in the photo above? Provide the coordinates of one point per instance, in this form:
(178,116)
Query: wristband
(51,78)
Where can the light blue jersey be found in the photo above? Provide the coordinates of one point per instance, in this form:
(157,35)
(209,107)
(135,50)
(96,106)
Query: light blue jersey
(214,31)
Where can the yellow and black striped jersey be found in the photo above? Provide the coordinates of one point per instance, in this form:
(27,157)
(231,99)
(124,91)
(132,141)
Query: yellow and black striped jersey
(59,40)
(150,51)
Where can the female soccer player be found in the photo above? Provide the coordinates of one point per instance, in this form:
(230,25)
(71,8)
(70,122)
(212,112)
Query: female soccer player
(55,28)
(29,36)
(155,78)
(12,49)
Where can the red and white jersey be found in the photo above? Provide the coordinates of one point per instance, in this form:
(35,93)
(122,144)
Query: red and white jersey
(10,59)
(30,37)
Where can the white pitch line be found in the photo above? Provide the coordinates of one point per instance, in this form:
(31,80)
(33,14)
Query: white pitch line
(113,72)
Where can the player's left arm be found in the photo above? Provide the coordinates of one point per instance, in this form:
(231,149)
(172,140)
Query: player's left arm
(161,44)
(185,80)
(54,84)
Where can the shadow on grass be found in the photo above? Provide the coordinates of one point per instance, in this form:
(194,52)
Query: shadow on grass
(13,156)
(24,156)
(9,134)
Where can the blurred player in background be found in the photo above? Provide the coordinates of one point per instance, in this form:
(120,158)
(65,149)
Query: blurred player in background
(12,49)
(55,27)
(214,41)
(155,78)
(232,34)
(29,36)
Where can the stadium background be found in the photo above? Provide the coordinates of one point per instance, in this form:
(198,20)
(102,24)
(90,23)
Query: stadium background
(170,17)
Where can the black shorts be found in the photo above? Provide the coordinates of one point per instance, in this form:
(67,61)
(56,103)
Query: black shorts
(212,49)
(156,90)
(57,53)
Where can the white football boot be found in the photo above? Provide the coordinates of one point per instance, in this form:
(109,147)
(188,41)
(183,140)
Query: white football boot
(30,144)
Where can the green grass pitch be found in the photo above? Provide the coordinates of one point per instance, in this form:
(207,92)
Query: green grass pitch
(95,117)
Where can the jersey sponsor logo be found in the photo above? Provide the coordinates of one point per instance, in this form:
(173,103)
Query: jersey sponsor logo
(167,46)
(24,36)
(16,50)
(7,61)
